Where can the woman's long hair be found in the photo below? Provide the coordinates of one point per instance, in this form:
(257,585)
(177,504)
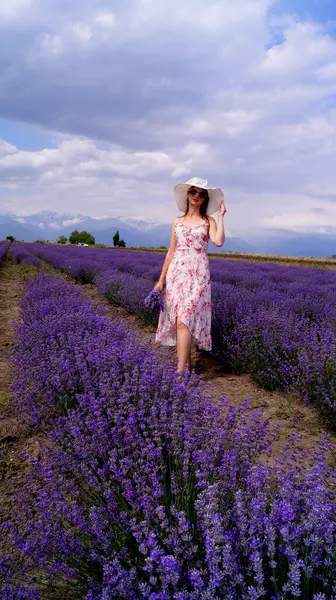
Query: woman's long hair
(203,208)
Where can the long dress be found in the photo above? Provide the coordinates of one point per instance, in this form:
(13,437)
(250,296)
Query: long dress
(188,291)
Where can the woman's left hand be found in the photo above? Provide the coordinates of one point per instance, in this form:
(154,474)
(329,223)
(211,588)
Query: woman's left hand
(222,209)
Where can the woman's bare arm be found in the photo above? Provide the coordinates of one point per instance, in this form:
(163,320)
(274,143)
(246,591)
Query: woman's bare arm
(216,232)
(167,261)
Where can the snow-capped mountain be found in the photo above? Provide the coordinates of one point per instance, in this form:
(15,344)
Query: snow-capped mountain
(48,225)
(138,224)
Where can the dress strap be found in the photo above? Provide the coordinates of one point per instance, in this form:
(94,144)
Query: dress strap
(181,221)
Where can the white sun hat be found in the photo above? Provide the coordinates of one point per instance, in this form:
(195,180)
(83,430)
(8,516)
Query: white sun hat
(216,195)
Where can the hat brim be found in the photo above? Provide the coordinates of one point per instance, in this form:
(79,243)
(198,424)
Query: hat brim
(216,196)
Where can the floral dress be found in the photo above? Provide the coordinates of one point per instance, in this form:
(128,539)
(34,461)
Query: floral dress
(188,292)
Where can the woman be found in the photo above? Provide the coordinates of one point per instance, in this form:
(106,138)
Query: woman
(186,317)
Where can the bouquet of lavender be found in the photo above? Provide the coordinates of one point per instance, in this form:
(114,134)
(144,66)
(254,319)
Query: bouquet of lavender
(154,301)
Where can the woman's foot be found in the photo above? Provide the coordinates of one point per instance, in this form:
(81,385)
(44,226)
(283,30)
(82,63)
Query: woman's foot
(184,371)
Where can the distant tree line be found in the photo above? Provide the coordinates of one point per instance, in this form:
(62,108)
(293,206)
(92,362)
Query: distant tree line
(84,237)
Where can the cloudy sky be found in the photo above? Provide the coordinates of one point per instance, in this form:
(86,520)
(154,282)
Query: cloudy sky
(105,105)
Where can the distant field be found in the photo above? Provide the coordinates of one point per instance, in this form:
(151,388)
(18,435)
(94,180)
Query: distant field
(325,263)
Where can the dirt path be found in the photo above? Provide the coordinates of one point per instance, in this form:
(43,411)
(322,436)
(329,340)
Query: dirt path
(12,438)
(9,427)
(287,409)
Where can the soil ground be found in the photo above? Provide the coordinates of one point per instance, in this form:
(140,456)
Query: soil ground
(13,440)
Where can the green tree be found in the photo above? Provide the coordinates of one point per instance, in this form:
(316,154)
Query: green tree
(86,238)
(10,238)
(81,237)
(73,237)
(116,239)
(117,242)
(62,239)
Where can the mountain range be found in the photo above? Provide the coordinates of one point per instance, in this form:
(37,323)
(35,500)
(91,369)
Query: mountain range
(48,225)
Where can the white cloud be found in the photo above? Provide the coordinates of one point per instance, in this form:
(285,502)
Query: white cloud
(68,222)
(156,92)
(51,44)
(82,31)
(76,160)
(55,226)
(6,149)
(180,170)
(10,9)
(234,122)
(105,18)
(96,28)
(301,214)
(195,150)
(316,48)
(297,221)
(80,174)
(212,16)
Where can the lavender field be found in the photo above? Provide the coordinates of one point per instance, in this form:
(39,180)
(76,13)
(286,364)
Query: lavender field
(3,249)
(277,323)
(142,488)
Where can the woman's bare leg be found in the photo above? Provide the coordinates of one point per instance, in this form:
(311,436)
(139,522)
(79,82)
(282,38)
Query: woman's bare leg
(189,362)
(183,337)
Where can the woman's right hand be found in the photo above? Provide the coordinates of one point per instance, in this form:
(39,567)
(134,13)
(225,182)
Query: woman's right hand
(158,286)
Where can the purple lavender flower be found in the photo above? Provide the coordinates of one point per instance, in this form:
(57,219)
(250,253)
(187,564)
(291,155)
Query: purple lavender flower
(143,489)
(154,301)
(21,255)
(277,323)
(4,246)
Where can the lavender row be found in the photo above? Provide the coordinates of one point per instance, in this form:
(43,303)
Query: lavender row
(143,490)
(306,292)
(252,275)
(110,273)
(277,323)
(253,333)
(4,247)
(21,256)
